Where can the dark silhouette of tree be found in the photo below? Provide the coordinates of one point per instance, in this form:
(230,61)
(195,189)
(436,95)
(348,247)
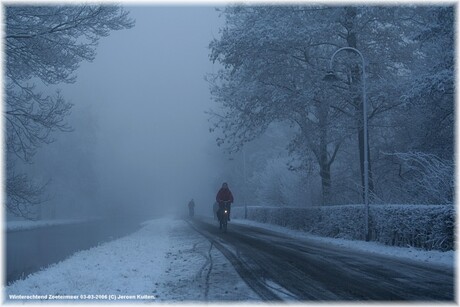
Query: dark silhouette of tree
(44,46)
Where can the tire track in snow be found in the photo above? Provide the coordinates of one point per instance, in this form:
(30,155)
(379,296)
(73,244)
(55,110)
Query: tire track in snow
(206,289)
(208,263)
(200,271)
(258,286)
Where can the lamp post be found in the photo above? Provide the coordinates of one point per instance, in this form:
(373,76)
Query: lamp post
(330,76)
(245,188)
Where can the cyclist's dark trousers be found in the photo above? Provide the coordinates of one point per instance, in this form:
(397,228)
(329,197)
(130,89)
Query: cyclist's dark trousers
(221,210)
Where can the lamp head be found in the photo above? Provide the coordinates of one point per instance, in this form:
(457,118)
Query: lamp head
(330,76)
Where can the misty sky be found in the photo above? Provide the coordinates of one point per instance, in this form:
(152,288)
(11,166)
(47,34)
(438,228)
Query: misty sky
(146,96)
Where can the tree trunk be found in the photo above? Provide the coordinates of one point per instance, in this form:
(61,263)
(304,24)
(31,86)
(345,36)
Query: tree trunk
(325,173)
(324,165)
(357,77)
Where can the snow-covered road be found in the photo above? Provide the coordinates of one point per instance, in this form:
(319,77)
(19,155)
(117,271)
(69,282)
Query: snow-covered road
(282,267)
(168,261)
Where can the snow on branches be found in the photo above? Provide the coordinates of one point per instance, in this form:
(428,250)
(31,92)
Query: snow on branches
(424,178)
(44,46)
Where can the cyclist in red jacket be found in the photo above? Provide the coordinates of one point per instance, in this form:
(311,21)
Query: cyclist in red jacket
(224,195)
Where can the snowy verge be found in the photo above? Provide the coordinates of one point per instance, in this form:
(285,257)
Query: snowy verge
(445,259)
(421,226)
(27,225)
(165,261)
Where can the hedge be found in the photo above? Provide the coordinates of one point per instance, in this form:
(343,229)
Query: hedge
(423,226)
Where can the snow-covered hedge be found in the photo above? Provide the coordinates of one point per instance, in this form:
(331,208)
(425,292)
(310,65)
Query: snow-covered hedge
(428,227)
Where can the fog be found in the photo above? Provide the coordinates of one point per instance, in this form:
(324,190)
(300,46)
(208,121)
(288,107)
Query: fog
(141,141)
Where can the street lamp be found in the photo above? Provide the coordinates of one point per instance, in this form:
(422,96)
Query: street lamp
(245,188)
(330,76)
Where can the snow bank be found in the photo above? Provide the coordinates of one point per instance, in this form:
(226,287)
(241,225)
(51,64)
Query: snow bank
(126,266)
(27,225)
(422,226)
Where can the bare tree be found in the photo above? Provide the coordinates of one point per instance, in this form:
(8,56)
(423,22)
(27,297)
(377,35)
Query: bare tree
(422,178)
(44,46)
(23,194)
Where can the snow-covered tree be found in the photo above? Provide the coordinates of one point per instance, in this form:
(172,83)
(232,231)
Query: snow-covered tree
(44,46)
(275,185)
(267,78)
(424,123)
(420,178)
(275,57)
(431,93)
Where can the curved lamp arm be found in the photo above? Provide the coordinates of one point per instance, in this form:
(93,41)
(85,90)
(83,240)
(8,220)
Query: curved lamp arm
(330,76)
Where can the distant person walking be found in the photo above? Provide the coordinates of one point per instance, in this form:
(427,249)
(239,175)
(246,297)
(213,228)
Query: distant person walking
(215,208)
(191,208)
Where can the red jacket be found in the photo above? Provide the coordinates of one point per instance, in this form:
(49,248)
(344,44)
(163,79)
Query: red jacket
(224,195)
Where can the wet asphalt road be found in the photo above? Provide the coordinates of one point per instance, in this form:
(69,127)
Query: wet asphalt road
(280,268)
